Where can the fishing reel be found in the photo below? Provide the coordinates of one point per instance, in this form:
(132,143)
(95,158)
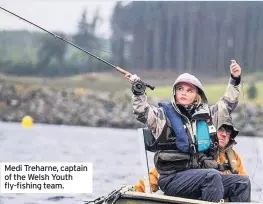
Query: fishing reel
(138,87)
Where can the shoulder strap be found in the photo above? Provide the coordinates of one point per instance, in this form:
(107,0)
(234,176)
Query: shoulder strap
(232,160)
(182,138)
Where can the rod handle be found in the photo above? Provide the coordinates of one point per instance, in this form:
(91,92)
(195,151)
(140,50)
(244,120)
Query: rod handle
(128,73)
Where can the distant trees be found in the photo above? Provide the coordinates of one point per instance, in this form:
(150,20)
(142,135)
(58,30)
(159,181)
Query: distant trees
(86,34)
(87,39)
(51,49)
(197,37)
(190,36)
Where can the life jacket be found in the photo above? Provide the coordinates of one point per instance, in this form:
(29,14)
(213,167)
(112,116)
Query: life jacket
(184,148)
(230,162)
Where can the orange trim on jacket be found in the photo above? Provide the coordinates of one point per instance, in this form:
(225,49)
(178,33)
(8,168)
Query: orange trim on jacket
(222,158)
(153,182)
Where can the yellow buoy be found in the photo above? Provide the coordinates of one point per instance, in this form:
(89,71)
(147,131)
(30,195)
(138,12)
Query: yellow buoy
(27,121)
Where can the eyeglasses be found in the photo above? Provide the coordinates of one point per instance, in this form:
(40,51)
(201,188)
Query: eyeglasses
(228,131)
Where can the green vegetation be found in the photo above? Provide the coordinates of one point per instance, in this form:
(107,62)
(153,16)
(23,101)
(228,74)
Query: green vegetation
(114,82)
(214,92)
(146,36)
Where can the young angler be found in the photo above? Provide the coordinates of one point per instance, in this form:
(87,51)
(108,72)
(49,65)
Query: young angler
(183,129)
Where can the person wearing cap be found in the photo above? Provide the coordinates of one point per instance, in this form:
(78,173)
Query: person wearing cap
(184,132)
(237,186)
(228,159)
(230,165)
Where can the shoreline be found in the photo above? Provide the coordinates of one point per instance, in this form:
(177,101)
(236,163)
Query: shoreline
(79,107)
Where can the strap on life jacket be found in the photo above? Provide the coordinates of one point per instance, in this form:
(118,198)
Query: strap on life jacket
(230,154)
(182,138)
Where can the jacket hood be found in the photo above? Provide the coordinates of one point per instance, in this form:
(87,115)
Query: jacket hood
(232,141)
(188,78)
(228,122)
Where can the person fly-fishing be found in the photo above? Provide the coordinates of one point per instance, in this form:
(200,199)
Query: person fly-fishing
(229,162)
(186,145)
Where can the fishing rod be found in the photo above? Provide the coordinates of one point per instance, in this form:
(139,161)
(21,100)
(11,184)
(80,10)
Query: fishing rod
(124,72)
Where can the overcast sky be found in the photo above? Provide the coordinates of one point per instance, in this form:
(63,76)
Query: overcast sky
(53,15)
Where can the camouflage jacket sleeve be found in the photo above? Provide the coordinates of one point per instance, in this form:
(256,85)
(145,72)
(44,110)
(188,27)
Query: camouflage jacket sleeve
(227,104)
(149,115)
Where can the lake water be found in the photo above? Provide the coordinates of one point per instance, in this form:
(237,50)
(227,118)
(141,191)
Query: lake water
(115,155)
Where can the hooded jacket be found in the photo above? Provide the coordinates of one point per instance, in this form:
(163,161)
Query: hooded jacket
(155,117)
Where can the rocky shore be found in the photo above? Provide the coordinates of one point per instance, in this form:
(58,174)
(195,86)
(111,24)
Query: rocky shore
(85,108)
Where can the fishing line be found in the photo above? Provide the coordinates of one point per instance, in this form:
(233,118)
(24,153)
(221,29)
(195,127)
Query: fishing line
(124,72)
(257,153)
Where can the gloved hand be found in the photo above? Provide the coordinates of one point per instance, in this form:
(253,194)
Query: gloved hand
(138,87)
(207,162)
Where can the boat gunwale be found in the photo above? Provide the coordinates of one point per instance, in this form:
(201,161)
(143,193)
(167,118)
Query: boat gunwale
(161,198)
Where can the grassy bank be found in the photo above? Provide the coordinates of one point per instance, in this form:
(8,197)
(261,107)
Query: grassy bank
(115,82)
(214,92)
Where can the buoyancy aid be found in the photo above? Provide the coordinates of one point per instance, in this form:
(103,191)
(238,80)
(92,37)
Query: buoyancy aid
(187,146)
(183,140)
(230,162)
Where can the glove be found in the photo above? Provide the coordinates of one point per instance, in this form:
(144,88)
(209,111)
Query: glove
(138,88)
(207,162)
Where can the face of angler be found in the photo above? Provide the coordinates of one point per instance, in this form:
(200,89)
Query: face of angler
(185,93)
(223,134)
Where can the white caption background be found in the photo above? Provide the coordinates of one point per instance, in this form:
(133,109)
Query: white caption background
(65,178)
